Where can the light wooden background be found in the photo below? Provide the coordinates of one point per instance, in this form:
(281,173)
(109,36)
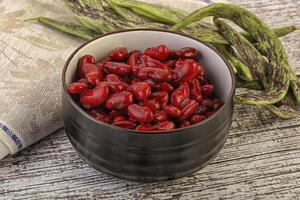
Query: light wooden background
(261,158)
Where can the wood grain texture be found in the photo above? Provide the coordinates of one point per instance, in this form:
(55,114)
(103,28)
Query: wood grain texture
(261,158)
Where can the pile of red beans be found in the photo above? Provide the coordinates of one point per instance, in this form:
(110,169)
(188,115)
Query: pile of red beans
(158,90)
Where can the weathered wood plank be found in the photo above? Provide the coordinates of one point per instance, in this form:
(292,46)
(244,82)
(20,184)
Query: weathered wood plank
(260,160)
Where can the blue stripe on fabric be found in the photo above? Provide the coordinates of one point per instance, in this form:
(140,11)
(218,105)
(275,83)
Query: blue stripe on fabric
(12,135)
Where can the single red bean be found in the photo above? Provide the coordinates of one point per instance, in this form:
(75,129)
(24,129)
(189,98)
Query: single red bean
(94,97)
(172,111)
(100,115)
(160,52)
(145,127)
(134,58)
(82,61)
(160,116)
(119,118)
(141,114)
(120,69)
(116,86)
(165,126)
(141,90)
(112,78)
(195,90)
(116,113)
(207,90)
(208,103)
(181,95)
(188,110)
(200,110)
(187,52)
(184,124)
(163,86)
(169,63)
(119,100)
(119,54)
(152,104)
(185,70)
(156,74)
(196,118)
(150,62)
(162,97)
(77,88)
(217,104)
(125,124)
(92,74)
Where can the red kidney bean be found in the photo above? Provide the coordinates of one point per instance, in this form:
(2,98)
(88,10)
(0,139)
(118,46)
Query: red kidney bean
(112,78)
(196,118)
(141,114)
(172,111)
(120,69)
(181,95)
(125,124)
(150,81)
(160,52)
(100,115)
(184,124)
(92,74)
(185,70)
(82,61)
(160,116)
(217,104)
(195,90)
(201,80)
(207,90)
(94,97)
(187,53)
(119,100)
(116,86)
(119,118)
(119,54)
(150,62)
(208,103)
(141,90)
(135,70)
(169,63)
(163,86)
(163,126)
(200,110)
(145,127)
(134,58)
(100,64)
(77,87)
(188,110)
(152,104)
(162,97)
(156,74)
(116,113)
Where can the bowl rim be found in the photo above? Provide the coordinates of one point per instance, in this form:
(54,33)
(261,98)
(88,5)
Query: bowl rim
(132,131)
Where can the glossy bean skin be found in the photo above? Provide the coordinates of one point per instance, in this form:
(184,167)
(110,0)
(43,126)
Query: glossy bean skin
(141,90)
(180,95)
(200,109)
(92,74)
(150,62)
(112,78)
(197,118)
(160,116)
(185,70)
(100,115)
(187,53)
(163,86)
(169,63)
(77,87)
(195,89)
(82,61)
(207,90)
(184,124)
(116,86)
(162,97)
(188,110)
(119,54)
(100,64)
(172,111)
(120,69)
(125,124)
(94,97)
(119,118)
(141,114)
(134,58)
(152,104)
(156,74)
(163,126)
(119,100)
(160,52)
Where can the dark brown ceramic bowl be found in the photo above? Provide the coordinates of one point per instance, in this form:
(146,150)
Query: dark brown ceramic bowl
(144,156)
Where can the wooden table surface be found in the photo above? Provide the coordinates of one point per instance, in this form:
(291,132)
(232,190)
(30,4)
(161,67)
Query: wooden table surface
(261,158)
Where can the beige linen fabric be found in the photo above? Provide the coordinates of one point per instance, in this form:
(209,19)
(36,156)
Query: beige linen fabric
(32,58)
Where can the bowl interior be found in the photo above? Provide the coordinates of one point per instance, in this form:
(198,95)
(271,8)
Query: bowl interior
(218,72)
